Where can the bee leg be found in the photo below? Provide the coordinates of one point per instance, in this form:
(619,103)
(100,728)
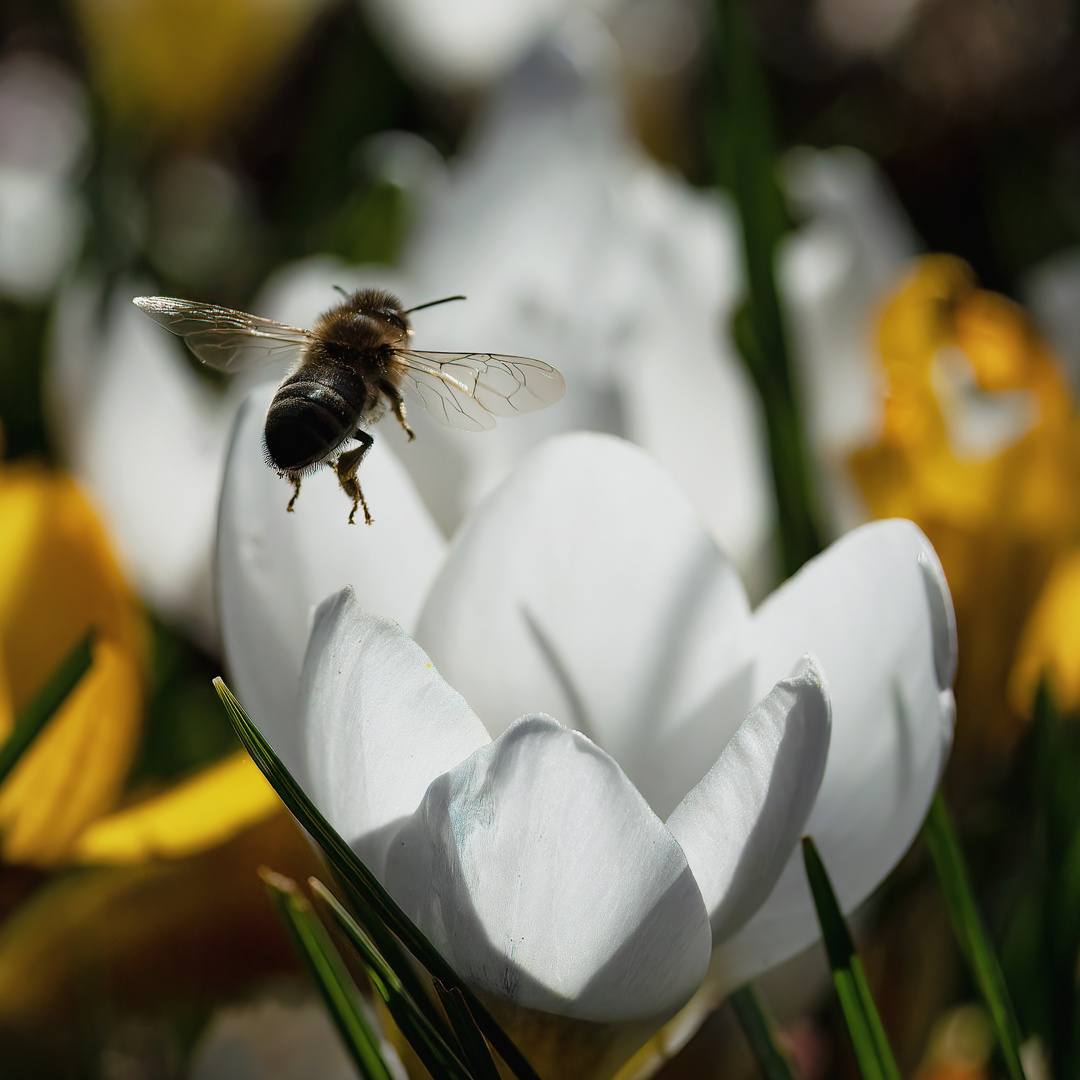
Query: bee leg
(296,492)
(398,406)
(346,467)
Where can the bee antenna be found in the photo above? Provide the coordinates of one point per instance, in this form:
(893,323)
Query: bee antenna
(432,303)
(342,291)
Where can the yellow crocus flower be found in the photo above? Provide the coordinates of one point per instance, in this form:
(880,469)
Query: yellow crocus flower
(173,879)
(1050,642)
(980,446)
(58,579)
(188,67)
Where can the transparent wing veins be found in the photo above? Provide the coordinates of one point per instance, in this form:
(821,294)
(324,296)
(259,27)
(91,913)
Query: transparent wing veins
(223,338)
(468,390)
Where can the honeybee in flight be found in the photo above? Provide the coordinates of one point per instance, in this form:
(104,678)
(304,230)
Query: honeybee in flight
(354,364)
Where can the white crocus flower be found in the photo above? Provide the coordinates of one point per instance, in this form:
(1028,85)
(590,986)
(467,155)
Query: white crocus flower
(833,273)
(472,43)
(43,136)
(589,878)
(1051,291)
(574,247)
(147,437)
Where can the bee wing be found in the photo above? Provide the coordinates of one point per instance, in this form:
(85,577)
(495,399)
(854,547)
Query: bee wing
(468,390)
(222,338)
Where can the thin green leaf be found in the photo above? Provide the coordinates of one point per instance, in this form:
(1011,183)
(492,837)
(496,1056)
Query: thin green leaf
(1054,849)
(747,165)
(431,1042)
(396,957)
(469,1036)
(352,871)
(868,1037)
(33,718)
(956,886)
(330,974)
(759,1034)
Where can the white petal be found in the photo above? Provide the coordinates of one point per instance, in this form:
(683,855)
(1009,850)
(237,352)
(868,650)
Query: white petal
(692,406)
(739,826)
(274,568)
(380,724)
(43,224)
(541,874)
(1051,291)
(148,437)
(610,267)
(875,610)
(465,43)
(588,588)
(833,272)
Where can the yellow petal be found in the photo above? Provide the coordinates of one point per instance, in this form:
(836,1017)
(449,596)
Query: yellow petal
(1050,642)
(199,813)
(997,520)
(188,66)
(142,937)
(58,579)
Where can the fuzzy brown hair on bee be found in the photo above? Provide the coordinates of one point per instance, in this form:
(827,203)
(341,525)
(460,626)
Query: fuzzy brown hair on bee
(351,367)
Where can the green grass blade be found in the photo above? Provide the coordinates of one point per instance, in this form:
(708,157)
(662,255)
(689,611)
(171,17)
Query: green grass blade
(868,1037)
(430,1041)
(758,1032)
(469,1036)
(33,717)
(396,958)
(330,974)
(747,165)
(352,871)
(956,886)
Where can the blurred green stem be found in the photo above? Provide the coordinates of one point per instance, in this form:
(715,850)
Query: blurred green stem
(868,1039)
(967,925)
(1057,870)
(748,165)
(759,1035)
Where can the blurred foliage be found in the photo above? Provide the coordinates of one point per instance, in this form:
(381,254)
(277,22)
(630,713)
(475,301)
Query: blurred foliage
(185,728)
(1041,939)
(22,422)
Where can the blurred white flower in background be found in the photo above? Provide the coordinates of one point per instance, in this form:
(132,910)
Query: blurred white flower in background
(471,43)
(147,436)
(1051,292)
(834,272)
(572,246)
(277,1040)
(43,139)
(586,587)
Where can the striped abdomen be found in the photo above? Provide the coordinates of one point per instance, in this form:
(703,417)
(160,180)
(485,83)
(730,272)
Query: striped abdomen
(314,411)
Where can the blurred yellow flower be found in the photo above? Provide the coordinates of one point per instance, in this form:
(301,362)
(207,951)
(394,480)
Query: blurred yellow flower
(58,578)
(188,66)
(960,1046)
(980,446)
(181,893)
(138,937)
(206,810)
(1050,641)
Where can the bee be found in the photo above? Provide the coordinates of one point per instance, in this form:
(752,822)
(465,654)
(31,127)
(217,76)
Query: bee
(352,366)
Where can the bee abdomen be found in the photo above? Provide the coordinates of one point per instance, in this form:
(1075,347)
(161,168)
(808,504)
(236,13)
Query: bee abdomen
(306,422)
